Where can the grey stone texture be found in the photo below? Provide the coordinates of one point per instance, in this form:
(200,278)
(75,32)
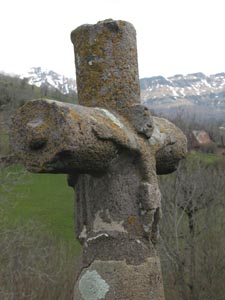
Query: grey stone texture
(112,150)
(106,59)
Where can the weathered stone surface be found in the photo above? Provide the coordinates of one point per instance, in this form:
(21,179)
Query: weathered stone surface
(51,136)
(112,150)
(106,65)
(170,144)
(140,117)
(118,280)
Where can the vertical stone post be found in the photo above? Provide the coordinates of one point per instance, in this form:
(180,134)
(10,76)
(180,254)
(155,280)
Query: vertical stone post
(119,257)
(106,65)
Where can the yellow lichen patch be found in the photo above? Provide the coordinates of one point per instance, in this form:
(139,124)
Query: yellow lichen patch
(107,72)
(74,115)
(133,225)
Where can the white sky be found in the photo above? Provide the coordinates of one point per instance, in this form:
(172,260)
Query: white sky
(173,36)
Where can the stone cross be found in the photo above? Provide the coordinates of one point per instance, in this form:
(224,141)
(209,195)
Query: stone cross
(112,150)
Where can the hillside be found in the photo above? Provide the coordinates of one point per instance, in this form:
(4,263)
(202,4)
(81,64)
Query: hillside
(178,90)
(39,77)
(195,93)
(192,89)
(14,92)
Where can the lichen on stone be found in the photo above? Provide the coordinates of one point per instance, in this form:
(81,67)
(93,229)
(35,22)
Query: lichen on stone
(92,286)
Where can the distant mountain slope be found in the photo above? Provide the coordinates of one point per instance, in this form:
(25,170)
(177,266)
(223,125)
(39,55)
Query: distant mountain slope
(192,89)
(15,91)
(195,92)
(37,76)
(179,90)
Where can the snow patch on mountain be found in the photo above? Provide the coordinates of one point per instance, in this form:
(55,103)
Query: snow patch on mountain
(178,90)
(39,77)
(192,89)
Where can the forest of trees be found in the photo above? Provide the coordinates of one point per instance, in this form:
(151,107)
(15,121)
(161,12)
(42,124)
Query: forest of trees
(15,91)
(193,230)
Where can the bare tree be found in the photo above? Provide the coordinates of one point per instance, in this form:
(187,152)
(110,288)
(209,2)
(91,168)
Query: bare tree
(191,231)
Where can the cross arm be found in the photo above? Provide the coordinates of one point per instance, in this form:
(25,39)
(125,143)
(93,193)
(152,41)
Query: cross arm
(55,137)
(169,143)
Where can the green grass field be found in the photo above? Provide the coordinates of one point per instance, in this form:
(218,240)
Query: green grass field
(205,158)
(4,144)
(43,198)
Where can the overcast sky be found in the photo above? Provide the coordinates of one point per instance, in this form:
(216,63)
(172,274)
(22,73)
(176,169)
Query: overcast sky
(173,36)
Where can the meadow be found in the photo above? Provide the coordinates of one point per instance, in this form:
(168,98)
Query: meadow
(43,198)
(38,246)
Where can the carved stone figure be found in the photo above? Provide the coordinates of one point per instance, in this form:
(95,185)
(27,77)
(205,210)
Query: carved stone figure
(112,150)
